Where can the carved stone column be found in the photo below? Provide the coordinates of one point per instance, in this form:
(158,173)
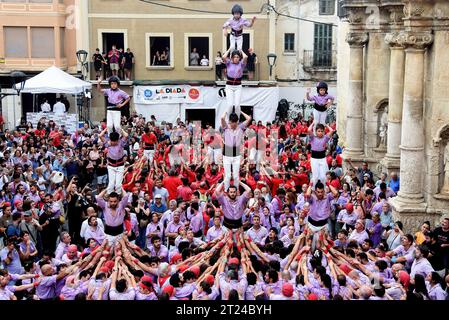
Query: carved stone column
(354,125)
(395,101)
(410,197)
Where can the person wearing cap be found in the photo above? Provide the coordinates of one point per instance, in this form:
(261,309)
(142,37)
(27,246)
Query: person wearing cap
(145,290)
(158,206)
(347,218)
(323,101)
(233,206)
(359,233)
(116,162)
(287,293)
(237,23)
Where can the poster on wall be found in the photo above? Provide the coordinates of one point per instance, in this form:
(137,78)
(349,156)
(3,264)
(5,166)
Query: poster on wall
(168,94)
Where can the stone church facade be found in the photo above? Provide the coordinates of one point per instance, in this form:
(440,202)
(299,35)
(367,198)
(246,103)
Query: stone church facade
(393,84)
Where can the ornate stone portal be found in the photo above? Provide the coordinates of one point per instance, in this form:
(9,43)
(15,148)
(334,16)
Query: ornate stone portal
(417,33)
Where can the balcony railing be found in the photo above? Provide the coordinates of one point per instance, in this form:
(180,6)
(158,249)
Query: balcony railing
(320,59)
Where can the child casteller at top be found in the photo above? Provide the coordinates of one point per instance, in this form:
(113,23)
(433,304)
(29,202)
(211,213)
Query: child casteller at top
(323,100)
(236,23)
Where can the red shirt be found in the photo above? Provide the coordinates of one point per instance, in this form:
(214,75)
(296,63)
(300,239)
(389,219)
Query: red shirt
(149,139)
(172,184)
(184,192)
(213,179)
(275,182)
(300,179)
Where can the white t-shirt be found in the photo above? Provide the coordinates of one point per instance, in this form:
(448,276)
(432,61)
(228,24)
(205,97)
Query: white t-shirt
(204,62)
(59,108)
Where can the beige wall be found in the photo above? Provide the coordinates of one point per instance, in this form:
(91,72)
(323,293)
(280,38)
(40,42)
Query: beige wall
(38,15)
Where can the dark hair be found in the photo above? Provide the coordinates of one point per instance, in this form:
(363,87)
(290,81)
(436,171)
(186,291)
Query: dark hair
(233,117)
(273,274)
(381,264)
(194,206)
(233,295)
(114,195)
(435,277)
(319,126)
(319,185)
(188,275)
(326,279)
(251,278)
(399,224)
(114,136)
(121,285)
(153,239)
(420,285)
(424,250)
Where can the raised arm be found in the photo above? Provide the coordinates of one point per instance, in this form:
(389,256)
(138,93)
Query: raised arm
(245,57)
(223,120)
(101,135)
(247,118)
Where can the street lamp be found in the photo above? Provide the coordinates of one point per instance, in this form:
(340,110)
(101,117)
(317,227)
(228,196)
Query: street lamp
(82,58)
(18,79)
(271,62)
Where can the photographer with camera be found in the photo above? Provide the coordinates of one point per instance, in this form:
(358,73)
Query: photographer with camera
(11,255)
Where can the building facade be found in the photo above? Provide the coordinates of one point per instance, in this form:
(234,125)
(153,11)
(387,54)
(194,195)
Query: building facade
(34,35)
(396,114)
(149,30)
(306,47)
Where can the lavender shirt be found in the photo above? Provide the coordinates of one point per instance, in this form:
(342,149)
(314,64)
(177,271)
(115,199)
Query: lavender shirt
(237,24)
(258,236)
(321,100)
(46,288)
(233,138)
(109,219)
(233,210)
(196,223)
(319,144)
(151,227)
(320,209)
(235,70)
(422,267)
(115,96)
(116,152)
(214,232)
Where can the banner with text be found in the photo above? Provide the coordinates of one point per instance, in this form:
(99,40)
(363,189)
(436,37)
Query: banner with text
(168,94)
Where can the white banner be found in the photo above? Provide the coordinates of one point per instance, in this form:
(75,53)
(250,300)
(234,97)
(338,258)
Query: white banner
(168,94)
(264,101)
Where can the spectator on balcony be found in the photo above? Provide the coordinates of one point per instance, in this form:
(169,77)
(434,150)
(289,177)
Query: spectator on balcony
(114,58)
(219,66)
(164,58)
(156,59)
(204,61)
(128,61)
(194,57)
(98,61)
(251,64)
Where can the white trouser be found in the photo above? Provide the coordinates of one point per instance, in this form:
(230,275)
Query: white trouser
(113,120)
(236,42)
(115,175)
(149,154)
(233,94)
(112,240)
(318,117)
(319,170)
(256,157)
(234,163)
(214,155)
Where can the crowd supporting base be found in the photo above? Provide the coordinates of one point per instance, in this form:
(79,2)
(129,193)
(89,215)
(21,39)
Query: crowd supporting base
(176,223)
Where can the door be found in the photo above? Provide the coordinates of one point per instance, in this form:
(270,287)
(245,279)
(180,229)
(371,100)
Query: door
(322,49)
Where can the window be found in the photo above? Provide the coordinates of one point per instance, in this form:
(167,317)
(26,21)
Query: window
(159,50)
(322,53)
(198,50)
(289,42)
(327,7)
(16,42)
(42,43)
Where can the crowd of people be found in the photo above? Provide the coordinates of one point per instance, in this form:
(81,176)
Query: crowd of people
(115,62)
(170,233)
(137,209)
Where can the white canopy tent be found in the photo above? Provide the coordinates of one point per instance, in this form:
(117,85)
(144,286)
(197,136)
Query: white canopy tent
(54,80)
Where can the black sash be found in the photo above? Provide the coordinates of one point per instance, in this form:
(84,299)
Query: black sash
(236,33)
(319,108)
(116,163)
(198,234)
(318,154)
(317,223)
(234,81)
(232,224)
(113,231)
(229,151)
(113,107)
